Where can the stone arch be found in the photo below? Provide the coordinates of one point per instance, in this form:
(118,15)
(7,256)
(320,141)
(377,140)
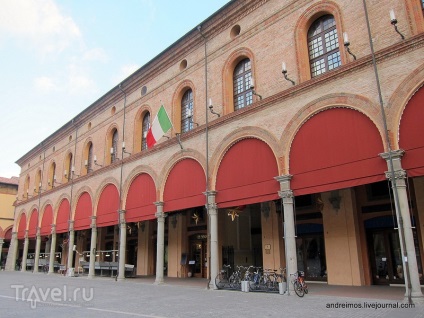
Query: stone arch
(356,102)
(134,174)
(233,138)
(166,170)
(399,99)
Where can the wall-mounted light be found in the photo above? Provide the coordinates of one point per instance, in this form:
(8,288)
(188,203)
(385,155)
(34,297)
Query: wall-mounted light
(335,200)
(284,71)
(123,149)
(211,108)
(95,161)
(190,116)
(179,140)
(73,172)
(252,87)
(346,44)
(394,22)
(55,180)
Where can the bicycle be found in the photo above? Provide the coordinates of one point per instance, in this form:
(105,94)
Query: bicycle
(235,278)
(45,268)
(299,284)
(222,279)
(272,279)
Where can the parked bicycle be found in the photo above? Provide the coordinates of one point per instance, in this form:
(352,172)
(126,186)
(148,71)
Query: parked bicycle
(45,268)
(222,279)
(299,284)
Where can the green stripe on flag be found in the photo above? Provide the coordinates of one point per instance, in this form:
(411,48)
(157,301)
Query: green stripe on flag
(164,121)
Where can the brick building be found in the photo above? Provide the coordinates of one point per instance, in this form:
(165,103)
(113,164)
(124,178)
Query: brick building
(8,191)
(277,156)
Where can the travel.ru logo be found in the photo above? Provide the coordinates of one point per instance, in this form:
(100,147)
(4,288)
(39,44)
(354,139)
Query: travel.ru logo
(33,294)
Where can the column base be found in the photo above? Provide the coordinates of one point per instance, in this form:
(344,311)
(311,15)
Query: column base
(159,282)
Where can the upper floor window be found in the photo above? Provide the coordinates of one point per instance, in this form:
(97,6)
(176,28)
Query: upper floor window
(187,111)
(323,45)
(68,167)
(114,148)
(37,183)
(52,175)
(89,157)
(26,187)
(144,130)
(243,95)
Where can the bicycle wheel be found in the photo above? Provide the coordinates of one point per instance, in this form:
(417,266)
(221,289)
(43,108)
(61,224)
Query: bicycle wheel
(235,282)
(298,289)
(220,281)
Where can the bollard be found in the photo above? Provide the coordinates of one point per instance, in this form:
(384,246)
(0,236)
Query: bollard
(282,287)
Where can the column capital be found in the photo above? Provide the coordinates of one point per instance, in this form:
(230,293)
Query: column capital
(122,217)
(38,231)
(1,240)
(26,234)
(160,216)
(71,225)
(396,154)
(210,193)
(286,194)
(212,208)
(399,174)
(159,203)
(53,230)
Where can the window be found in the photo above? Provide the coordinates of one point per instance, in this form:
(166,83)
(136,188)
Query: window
(26,187)
(68,168)
(52,176)
(89,160)
(114,152)
(144,130)
(187,111)
(241,80)
(37,183)
(323,46)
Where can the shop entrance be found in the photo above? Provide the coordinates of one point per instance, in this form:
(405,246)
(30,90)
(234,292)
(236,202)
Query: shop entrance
(311,257)
(386,257)
(198,255)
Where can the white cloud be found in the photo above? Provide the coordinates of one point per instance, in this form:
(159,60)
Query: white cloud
(38,21)
(78,81)
(44,84)
(124,72)
(97,54)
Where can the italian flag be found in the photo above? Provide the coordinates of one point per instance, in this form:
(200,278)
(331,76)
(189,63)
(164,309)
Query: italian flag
(160,126)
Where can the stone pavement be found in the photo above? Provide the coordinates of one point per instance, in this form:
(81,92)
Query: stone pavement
(28,294)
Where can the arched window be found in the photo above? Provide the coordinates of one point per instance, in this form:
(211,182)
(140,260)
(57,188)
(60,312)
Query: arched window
(187,111)
(323,45)
(37,183)
(68,167)
(241,79)
(144,130)
(114,148)
(26,187)
(90,158)
(52,175)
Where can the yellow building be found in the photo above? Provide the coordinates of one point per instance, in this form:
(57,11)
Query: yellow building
(296,142)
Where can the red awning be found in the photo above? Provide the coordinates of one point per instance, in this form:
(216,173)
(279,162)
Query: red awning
(337,148)
(140,199)
(411,135)
(22,227)
(107,209)
(83,212)
(185,186)
(246,174)
(47,220)
(62,224)
(33,223)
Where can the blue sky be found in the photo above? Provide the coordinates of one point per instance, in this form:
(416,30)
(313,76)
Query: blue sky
(59,56)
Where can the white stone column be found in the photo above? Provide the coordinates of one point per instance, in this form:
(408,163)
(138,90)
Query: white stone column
(93,251)
(25,252)
(1,247)
(288,226)
(213,232)
(122,244)
(13,252)
(71,245)
(403,216)
(160,248)
(52,249)
(37,251)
